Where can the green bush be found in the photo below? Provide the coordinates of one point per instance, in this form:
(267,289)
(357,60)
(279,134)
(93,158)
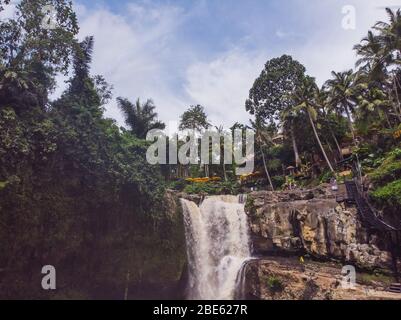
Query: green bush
(213,188)
(389,170)
(278,181)
(390,194)
(274,284)
(178,185)
(326,176)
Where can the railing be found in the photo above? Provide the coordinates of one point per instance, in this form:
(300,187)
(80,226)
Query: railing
(368,214)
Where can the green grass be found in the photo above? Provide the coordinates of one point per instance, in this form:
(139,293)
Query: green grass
(372,279)
(389,194)
(274,284)
(389,170)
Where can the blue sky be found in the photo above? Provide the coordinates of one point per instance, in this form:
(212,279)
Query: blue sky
(185,52)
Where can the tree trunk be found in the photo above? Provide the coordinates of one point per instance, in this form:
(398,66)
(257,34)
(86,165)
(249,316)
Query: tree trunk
(394,107)
(320,143)
(295,147)
(266,170)
(206,167)
(351,126)
(340,152)
(387,119)
(397,97)
(225,172)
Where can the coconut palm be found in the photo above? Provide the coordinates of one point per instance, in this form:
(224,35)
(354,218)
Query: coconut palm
(342,95)
(303,97)
(390,36)
(263,139)
(372,61)
(140,117)
(288,119)
(381,56)
(390,39)
(375,58)
(321,102)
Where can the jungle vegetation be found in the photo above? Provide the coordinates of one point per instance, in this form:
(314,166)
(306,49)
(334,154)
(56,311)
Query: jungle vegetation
(77,192)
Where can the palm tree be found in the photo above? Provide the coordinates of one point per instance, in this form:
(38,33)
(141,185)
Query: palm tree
(342,95)
(373,97)
(220,131)
(288,119)
(303,96)
(321,103)
(390,35)
(371,60)
(374,60)
(141,117)
(262,139)
(390,39)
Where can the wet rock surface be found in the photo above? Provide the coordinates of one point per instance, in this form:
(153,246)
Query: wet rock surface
(312,222)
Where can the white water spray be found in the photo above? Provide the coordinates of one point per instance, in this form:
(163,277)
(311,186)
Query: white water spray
(217,245)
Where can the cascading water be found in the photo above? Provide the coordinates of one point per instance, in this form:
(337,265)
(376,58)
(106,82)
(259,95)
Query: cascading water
(217,246)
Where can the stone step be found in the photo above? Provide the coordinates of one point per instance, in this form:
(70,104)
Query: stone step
(395,288)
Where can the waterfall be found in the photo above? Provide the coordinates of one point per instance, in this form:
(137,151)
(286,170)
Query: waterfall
(217,246)
(240,284)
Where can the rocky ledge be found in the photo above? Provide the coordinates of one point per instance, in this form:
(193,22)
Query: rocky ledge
(287,279)
(312,222)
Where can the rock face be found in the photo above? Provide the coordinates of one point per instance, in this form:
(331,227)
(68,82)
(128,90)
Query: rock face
(312,222)
(288,279)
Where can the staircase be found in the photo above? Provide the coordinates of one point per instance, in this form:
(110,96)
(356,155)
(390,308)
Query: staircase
(395,288)
(371,220)
(367,213)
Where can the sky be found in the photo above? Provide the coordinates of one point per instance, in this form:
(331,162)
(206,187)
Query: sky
(210,52)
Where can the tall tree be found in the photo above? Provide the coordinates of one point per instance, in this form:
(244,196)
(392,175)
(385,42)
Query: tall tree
(270,98)
(342,95)
(262,139)
(303,98)
(140,117)
(329,119)
(380,56)
(195,118)
(271,92)
(31,55)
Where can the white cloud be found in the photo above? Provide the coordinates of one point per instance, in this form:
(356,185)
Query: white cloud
(139,55)
(139,52)
(132,52)
(222,85)
(331,47)
(9,11)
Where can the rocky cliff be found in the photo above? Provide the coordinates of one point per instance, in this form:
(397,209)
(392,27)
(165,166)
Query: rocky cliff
(312,222)
(280,278)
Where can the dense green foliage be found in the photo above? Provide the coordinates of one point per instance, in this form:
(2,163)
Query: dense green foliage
(389,169)
(140,118)
(390,194)
(386,178)
(194,118)
(359,111)
(76,191)
(213,188)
